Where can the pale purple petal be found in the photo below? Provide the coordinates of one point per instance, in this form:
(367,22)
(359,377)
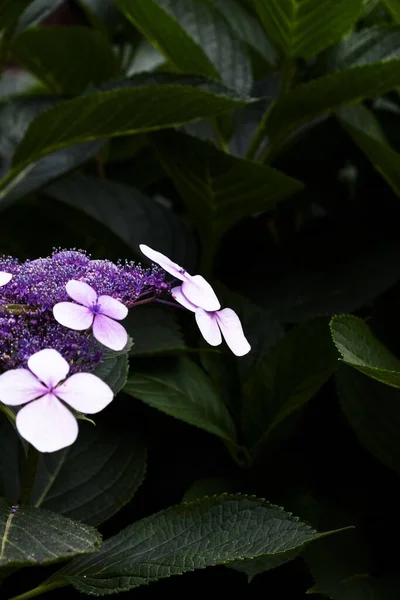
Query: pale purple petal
(180,297)
(49,366)
(5,277)
(19,386)
(112,308)
(81,292)
(200,293)
(73,315)
(47,424)
(232,331)
(208,327)
(165,263)
(85,392)
(109,333)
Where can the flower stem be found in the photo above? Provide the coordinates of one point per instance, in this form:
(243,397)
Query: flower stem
(8,412)
(29,474)
(41,589)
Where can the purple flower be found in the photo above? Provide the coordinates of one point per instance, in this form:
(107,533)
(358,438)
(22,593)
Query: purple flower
(5,277)
(93,310)
(45,421)
(214,323)
(197,295)
(195,287)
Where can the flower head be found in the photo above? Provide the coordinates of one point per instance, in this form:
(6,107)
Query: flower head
(89,310)
(44,389)
(214,323)
(5,278)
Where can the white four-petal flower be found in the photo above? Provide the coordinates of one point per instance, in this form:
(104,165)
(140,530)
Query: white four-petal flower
(197,295)
(4,278)
(93,310)
(45,421)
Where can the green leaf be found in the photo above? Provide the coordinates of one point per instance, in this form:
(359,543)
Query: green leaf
(114,370)
(218,188)
(193,37)
(360,349)
(256,566)
(365,47)
(15,117)
(112,465)
(211,531)
(31,535)
(79,57)
(373,411)
(10,11)
(179,388)
(132,216)
(303,28)
(330,92)
(139,105)
(246,28)
(289,375)
(394,8)
(36,12)
(154,331)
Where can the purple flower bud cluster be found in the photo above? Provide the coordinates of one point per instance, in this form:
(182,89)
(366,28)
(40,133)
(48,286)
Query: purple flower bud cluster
(27,324)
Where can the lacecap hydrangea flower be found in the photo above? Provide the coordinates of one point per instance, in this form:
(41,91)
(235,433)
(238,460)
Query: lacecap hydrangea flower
(197,295)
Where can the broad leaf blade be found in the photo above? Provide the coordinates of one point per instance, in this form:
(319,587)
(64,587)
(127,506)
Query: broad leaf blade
(182,390)
(360,349)
(303,28)
(138,106)
(373,411)
(30,536)
(114,371)
(95,477)
(394,8)
(154,331)
(289,375)
(330,92)
(219,189)
(79,58)
(366,132)
(211,531)
(193,37)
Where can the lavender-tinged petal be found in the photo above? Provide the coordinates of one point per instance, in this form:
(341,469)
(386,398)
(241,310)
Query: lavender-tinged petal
(208,326)
(109,333)
(232,331)
(5,277)
(200,293)
(112,308)
(19,386)
(85,392)
(180,297)
(73,315)
(49,366)
(81,292)
(165,263)
(47,424)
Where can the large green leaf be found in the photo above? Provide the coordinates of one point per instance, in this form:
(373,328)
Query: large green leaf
(218,188)
(132,216)
(373,411)
(194,38)
(112,464)
(330,92)
(31,535)
(15,117)
(360,349)
(289,375)
(303,28)
(114,370)
(246,28)
(133,106)
(211,531)
(394,8)
(366,132)
(10,11)
(365,47)
(79,57)
(154,331)
(179,388)
(36,12)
